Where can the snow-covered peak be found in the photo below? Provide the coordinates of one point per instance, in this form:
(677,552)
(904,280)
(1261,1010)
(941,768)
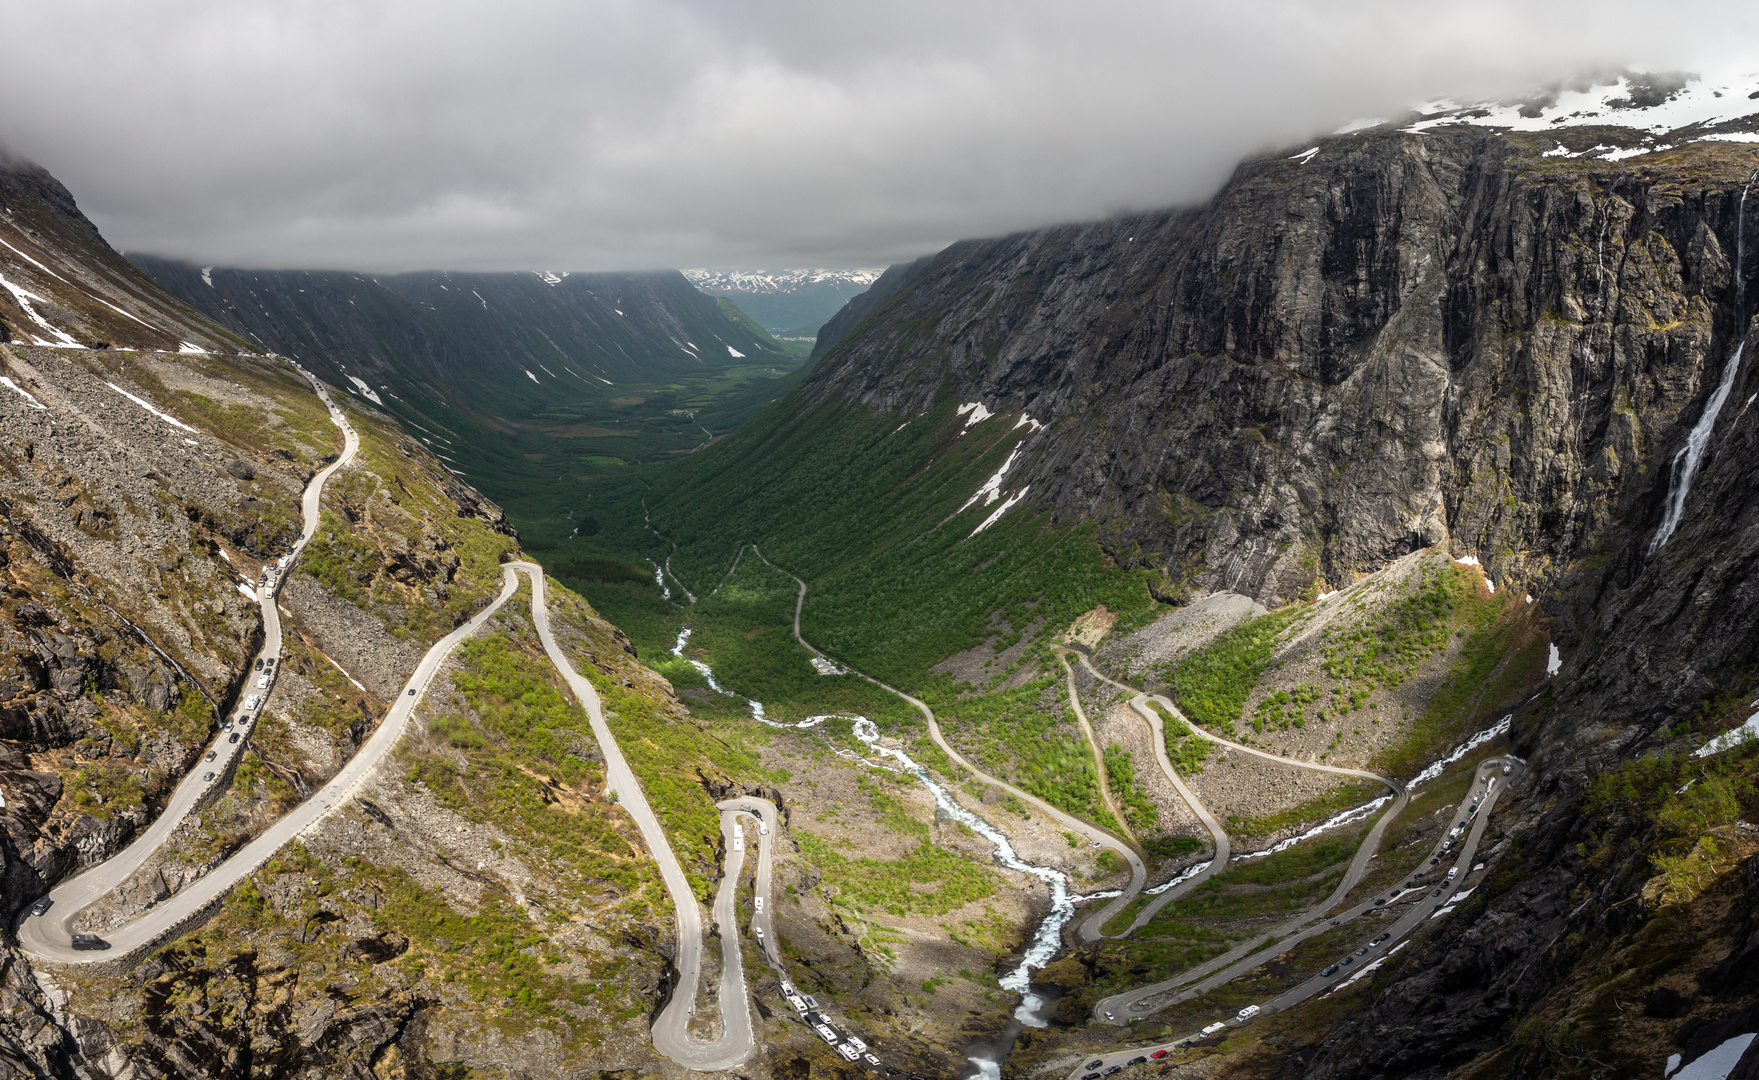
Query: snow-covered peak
(1717,107)
(777,281)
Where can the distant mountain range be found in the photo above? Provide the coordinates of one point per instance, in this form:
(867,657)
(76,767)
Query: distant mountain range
(788,303)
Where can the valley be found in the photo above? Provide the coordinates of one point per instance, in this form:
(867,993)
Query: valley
(1288,636)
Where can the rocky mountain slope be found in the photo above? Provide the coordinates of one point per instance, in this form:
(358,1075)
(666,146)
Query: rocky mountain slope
(480,903)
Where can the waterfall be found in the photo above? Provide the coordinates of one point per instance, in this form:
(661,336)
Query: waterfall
(1686,462)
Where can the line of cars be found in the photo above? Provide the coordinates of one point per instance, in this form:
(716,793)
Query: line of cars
(847,1046)
(263,680)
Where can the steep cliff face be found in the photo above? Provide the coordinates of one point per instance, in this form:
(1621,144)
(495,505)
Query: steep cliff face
(1399,340)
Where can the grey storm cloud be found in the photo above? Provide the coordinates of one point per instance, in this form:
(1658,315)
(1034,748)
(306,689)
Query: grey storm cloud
(613,134)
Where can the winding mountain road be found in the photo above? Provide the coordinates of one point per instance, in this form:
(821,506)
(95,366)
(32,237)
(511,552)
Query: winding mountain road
(1093,833)
(48,936)
(1433,900)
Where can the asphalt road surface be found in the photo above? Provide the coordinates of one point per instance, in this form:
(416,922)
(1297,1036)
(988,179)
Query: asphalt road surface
(1423,901)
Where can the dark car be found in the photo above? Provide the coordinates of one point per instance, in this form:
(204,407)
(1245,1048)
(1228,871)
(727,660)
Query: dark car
(1362,950)
(1379,902)
(1436,893)
(1137,1060)
(234,737)
(412,691)
(89,941)
(1096,1064)
(1330,970)
(259,664)
(1380,939)
(42,906)
(1348,960)
(1091,1076)
(270,661)
(1114,1069)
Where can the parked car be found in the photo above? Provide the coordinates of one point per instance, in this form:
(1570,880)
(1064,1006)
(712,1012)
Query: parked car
(1114,1069)
(1091,1076)
(1158,1054)
(1138,1060)
(1096,1064)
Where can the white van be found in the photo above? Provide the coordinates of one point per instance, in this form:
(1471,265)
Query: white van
(250,703)
(738,840)
(1248,1012)
(1213,1028)
(759,902)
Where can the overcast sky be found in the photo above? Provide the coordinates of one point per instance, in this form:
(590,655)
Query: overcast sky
(586,135)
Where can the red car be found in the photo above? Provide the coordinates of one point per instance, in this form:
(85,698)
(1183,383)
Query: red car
(1158,1054)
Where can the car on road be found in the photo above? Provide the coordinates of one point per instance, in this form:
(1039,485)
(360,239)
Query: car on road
(42,906)
(1158,1054)
(1348,960)
(89,941)
(1379,902)
(763,827)
(1213,1028)
(1362,951)
(1248,1012)
(259,664)
(1137,1060)
(1452,870)
(1436,893)
(1331,969)
(210,756)
(232,738)
(1096,1064)
(1114,1068)
(1109,1016)
(1380,939)
(871,1060)
(412,691)
(1506,769)
(250,704)
(270,663)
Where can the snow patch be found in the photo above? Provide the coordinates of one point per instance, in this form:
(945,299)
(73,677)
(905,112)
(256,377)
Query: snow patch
(530,376)
(1025,420)
(549,278)
(735,353)
(22,392)
(365,390)
(1731,738)
(248,592)
(172,420)
(1468,560)
(1305,156)
(207,276)
(184,348)
(1712,100)
(1718,1063)
(978,413)
(1007,505)
(24,298)
(1554,662)
(992,488)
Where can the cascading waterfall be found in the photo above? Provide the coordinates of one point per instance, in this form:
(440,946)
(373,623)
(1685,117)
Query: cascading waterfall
(1686,462)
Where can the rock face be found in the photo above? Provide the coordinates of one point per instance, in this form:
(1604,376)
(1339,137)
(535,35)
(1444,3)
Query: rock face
(1404,340)
(1401,341)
